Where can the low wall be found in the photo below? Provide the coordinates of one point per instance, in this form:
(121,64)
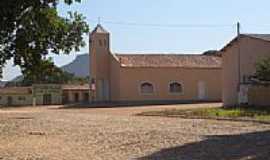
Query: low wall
(259,95)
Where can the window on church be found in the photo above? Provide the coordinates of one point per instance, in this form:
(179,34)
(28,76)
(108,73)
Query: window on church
(147,88)
(105,42)
(175,88)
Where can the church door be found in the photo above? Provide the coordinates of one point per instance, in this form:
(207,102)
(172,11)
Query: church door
(103,90)
(202,91)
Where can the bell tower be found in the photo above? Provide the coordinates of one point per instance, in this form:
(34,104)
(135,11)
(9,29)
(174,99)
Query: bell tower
(99,50)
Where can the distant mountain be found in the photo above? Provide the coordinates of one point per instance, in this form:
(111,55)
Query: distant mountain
(79,66)
(17,79)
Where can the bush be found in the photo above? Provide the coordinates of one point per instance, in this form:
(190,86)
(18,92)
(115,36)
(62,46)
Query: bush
(263,69)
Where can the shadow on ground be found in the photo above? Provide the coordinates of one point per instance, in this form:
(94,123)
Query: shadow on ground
(250,146)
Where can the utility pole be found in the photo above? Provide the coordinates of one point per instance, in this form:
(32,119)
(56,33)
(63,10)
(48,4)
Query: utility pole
(238,29)
(239,61)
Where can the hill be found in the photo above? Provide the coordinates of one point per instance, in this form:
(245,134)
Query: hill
(79,66)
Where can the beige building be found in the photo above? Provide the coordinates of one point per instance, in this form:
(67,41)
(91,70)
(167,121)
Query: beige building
(47,94)
(44,94)
(239,59)
(153,78)
(16,96)
(75,93)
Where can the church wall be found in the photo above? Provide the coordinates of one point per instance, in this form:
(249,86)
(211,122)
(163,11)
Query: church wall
(114,78)
(131,79)
(124,83)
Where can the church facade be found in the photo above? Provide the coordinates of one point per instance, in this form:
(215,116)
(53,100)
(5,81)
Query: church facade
(153,78)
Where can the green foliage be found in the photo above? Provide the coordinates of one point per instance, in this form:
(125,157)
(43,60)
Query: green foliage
(250,112)
(44,72)
(47,73)
(263,69)
(233,112)
(78,80)
(31,29)
(212,53)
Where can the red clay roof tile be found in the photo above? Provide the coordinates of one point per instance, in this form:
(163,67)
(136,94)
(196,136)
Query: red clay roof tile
(169,60)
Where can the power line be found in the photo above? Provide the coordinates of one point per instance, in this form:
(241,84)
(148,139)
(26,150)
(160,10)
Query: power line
(164,25)
(184,26)
(169,25)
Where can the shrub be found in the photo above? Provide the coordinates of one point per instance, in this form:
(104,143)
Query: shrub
(263,69)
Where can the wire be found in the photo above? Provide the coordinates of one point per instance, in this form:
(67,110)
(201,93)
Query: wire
(187,26)
(168,25)
(165,25)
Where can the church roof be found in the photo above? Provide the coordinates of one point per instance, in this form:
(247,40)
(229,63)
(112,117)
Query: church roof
(169,60)
(100,29)
(263,37)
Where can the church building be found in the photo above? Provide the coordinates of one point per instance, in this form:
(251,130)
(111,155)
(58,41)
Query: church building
(151,78)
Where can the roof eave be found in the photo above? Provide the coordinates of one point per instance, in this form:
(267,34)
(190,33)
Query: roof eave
(241,36)
(126,66)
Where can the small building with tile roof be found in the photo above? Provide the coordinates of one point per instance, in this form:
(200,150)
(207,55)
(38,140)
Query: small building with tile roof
(150,78)
(16,96)
(239,58)
(45,94)
(75,93)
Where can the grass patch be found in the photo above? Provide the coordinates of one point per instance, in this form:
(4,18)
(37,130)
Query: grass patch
(255,113)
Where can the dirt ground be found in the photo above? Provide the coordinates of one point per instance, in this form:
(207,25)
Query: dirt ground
(53,133)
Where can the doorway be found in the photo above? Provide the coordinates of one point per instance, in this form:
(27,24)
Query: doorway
(9,101)
(103,90)
(76,97)
(47,99)
(202,95)
(86,97)
(65,98)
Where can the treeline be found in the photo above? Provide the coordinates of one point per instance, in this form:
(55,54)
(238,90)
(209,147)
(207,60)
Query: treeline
(47,73)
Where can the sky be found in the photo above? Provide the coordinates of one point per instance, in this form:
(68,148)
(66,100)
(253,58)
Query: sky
(166,26)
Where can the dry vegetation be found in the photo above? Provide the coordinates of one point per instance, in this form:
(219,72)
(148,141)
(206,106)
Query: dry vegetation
(255,114)
(107,134)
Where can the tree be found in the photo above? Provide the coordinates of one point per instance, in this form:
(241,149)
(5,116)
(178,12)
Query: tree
(31,29)
(212,53)
(45,72)
(48,73)
(263,69)
(79,80)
